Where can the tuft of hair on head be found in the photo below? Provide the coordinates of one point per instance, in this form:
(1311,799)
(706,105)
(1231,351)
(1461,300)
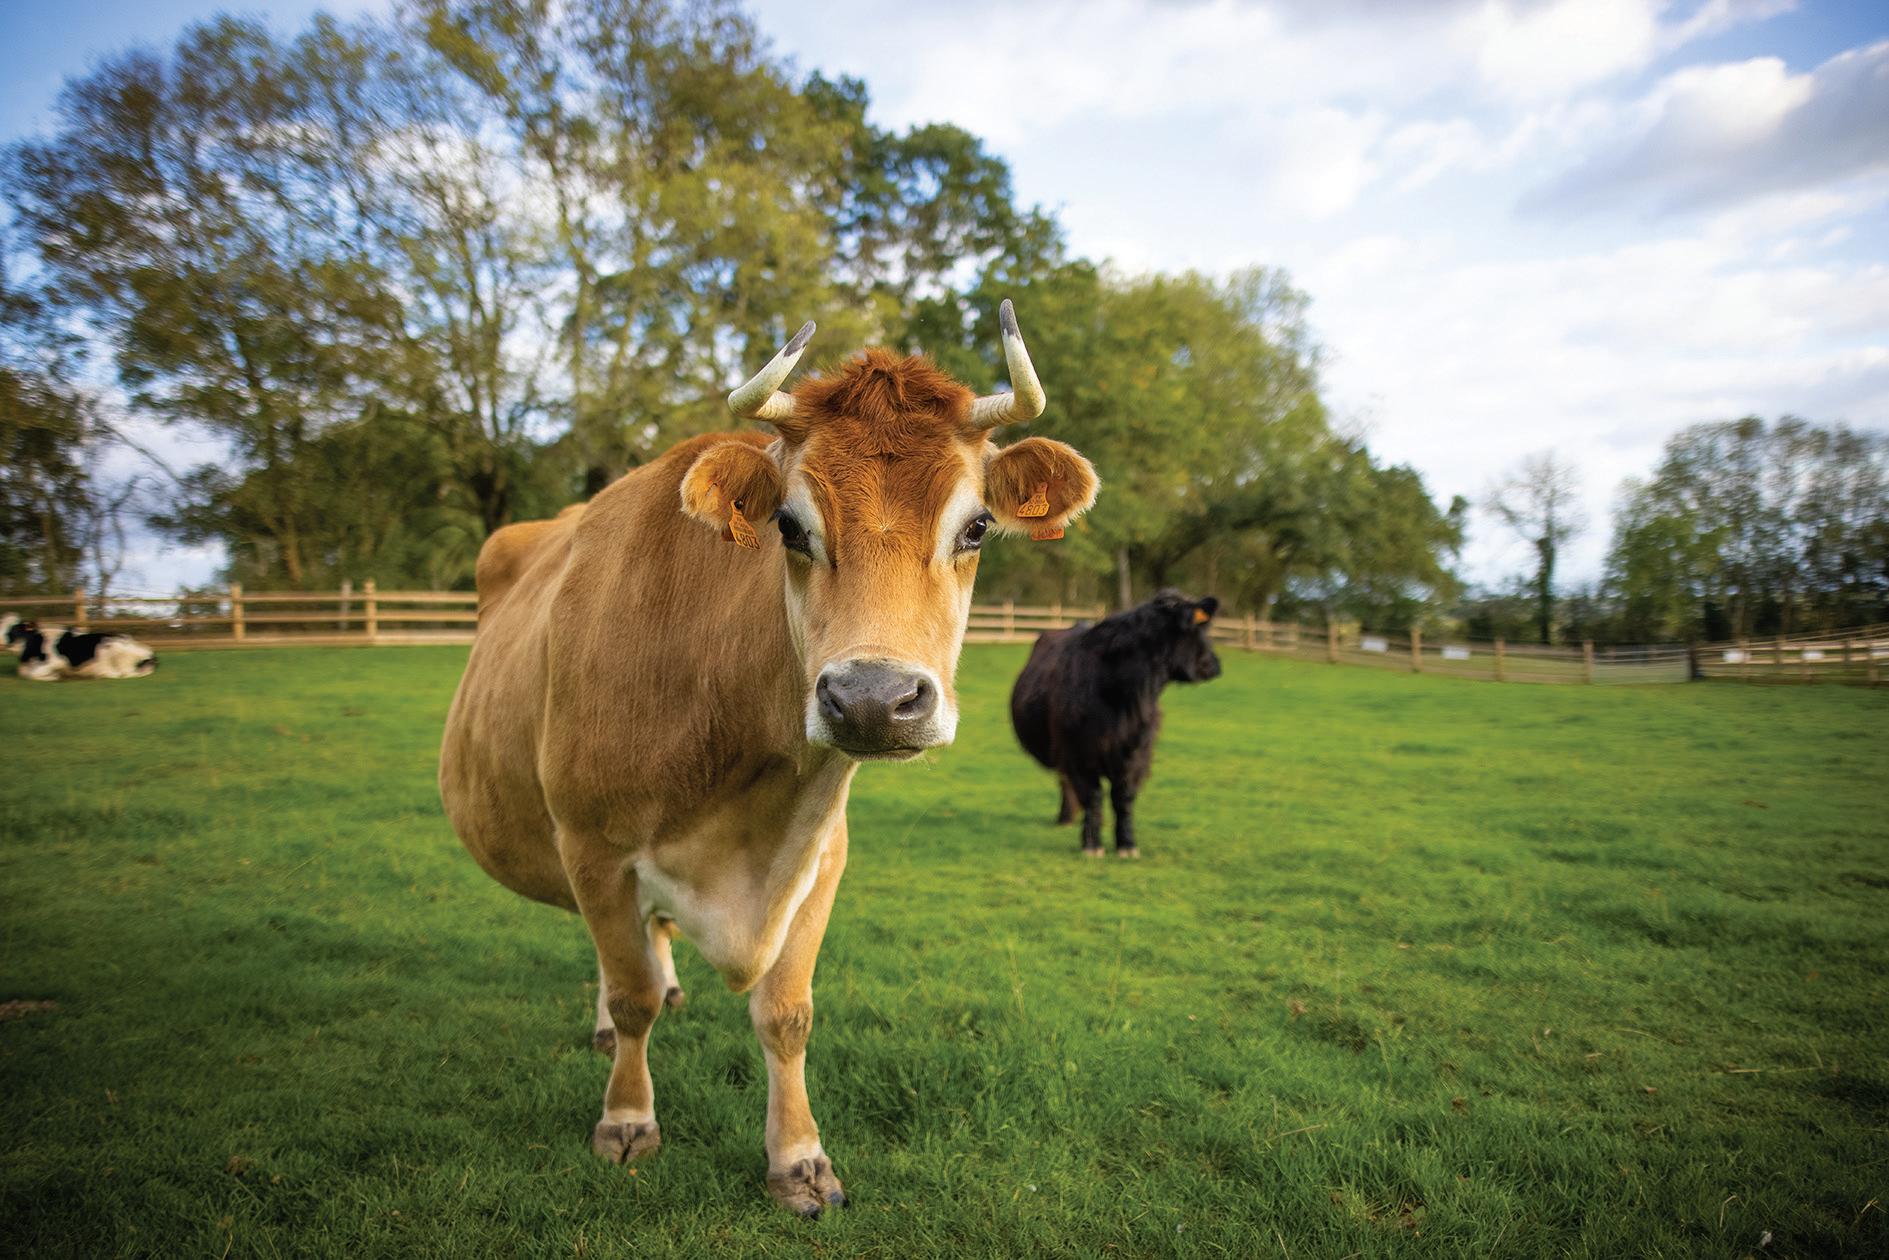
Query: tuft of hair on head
(884,390)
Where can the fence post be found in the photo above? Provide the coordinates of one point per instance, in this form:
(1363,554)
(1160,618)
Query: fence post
(347,590)
(1870,648)
(1587,660)
(1010,619)
(78,609)
(1331,643)
(1744,660)
(1416,650)
(371,607)
(1247,630)
(237,628)
(1501,674)
(1056,613)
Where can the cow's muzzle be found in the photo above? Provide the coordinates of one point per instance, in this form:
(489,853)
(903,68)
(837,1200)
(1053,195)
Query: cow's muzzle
(877,709)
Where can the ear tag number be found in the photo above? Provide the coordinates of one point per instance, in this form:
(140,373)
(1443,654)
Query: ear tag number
(1038,504)
(739,531)
(1048,533)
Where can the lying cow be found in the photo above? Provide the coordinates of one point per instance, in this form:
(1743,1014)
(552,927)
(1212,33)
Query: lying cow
(670,691)
(1087,704)
(49,655)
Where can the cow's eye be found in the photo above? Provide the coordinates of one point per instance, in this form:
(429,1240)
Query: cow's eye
(793,536)
(972,536)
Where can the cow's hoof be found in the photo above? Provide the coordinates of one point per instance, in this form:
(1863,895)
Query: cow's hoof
(1130,852)
(1096,852)
(807,1188)
(604,1042)
(621,1141)
(675,998)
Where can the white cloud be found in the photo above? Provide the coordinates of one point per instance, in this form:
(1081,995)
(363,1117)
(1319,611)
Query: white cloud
(1468,366)
(1546,50)
(1716,135)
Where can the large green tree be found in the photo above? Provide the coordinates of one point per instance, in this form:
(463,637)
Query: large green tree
(1747,528)
(47,430)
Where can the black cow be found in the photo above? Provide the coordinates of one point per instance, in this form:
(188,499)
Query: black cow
(1087,703)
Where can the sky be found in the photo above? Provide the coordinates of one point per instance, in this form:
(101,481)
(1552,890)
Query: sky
(1577,225)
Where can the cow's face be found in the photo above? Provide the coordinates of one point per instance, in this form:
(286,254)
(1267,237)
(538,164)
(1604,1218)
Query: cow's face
(1189,625)
(879,495)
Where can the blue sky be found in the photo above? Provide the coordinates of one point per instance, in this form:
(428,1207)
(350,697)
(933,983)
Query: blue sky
(1578,224)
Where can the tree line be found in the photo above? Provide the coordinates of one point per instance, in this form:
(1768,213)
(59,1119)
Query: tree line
(421,276)
(424,276)
(1744,529)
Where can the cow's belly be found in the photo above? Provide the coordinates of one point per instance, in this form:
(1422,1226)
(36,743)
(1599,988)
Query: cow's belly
(734,881)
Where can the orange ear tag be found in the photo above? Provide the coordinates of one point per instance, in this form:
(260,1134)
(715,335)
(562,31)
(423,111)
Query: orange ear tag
(1200,617)
(1038,504)
(739,531)
(1048,534)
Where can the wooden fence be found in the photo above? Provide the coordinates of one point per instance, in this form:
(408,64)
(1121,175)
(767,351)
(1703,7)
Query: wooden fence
(368,616)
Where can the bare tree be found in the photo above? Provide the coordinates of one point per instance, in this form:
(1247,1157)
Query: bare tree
(102,525)
(1538,501)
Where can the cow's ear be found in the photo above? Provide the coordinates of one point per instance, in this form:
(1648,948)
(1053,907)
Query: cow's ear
(1210,606)
(730,482)
(1038,485)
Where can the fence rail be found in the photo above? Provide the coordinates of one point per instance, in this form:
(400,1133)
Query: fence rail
(369,616)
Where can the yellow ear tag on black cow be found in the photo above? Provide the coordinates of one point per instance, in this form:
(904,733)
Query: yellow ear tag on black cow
(1048,533)
(739,531)
(1201,617)
(1038,504)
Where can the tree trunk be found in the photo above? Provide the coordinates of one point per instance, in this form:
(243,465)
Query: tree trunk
(1544,588)
(1125,587)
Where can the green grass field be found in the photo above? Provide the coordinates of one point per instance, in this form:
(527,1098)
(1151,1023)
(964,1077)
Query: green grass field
(1413,966)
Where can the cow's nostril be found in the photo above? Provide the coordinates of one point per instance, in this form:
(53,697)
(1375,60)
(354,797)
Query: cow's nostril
(829,703)
(917,702)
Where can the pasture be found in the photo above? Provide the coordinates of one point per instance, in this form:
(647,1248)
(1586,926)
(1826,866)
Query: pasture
(1413,966)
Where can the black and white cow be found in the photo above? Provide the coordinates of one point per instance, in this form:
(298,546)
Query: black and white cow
(49,655)
(1087,705)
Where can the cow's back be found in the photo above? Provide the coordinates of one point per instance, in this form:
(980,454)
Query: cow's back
(511,551)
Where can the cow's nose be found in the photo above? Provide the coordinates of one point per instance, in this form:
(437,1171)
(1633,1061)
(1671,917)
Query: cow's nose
(875,706)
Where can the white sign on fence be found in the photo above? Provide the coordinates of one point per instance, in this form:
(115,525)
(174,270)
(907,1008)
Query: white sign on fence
(1453,653)
(1371,643)
(1736,656)
(1813,654)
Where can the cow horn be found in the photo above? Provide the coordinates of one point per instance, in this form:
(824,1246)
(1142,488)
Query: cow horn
(1026,400)
(761,398)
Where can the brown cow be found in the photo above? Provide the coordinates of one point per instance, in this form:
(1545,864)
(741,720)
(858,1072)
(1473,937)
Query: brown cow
(665,705)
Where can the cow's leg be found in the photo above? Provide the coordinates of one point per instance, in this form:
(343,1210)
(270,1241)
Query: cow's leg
(1121,794)
(661,933)
(1088,792)
(632,988)
(603,1039)
(1070,806)
(799,1175)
